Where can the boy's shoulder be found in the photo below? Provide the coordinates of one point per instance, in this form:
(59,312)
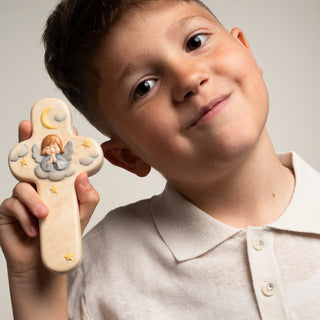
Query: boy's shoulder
(121,224)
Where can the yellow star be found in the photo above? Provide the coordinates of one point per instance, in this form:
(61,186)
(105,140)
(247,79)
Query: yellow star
(54,189)
(86,144)
(69,256)
(24,162)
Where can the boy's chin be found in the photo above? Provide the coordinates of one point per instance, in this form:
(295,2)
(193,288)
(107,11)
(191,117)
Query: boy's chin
(235,150)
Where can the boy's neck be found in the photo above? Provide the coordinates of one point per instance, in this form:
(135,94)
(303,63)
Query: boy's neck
(256,192)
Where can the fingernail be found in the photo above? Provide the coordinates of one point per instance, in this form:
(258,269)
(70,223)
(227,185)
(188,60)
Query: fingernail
(33,231)
(40,210)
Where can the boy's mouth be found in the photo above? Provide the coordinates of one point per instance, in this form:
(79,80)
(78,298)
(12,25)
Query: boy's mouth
(211,109)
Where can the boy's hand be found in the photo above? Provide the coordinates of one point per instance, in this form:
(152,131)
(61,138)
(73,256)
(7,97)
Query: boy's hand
(18,219)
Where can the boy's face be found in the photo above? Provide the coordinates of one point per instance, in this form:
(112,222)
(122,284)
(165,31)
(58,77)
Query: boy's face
(184,94)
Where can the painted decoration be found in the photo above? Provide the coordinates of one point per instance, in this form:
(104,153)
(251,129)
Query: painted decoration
(52,159)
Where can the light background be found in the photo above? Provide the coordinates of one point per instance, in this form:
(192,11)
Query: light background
(284,37)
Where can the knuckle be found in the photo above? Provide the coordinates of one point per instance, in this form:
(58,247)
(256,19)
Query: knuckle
(96,196)
(7,204)
(4,207)
(16,190)
(19,189)
(4,203)
(93,198)
(88,196)
(88,207)
(25,192)
(9,207)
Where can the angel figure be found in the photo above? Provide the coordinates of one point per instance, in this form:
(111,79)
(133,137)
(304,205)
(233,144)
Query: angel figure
(53,158)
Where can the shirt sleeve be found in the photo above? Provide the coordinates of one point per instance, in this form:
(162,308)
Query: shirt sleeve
(76,295)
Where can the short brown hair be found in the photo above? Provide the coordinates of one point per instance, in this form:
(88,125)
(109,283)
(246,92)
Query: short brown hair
(73,35)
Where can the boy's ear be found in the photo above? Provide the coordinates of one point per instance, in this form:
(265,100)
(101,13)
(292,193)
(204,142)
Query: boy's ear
(239,35)
(120,155)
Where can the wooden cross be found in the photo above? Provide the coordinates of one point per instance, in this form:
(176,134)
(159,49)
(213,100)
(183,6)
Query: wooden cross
(52,159)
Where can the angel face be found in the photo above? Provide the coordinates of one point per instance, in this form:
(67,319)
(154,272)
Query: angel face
(51,149)
(54,159)
(51,145)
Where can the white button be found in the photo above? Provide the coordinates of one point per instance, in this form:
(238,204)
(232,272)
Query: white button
(257,243)
(267,289)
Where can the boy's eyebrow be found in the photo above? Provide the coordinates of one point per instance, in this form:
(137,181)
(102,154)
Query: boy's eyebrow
(183,22)
(131,68)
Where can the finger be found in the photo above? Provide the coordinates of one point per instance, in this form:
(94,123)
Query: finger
(88,198)
(75,131)
(13,210)
(25,130)
(25,193)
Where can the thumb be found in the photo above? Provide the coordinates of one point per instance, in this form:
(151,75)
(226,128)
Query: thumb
(88,198)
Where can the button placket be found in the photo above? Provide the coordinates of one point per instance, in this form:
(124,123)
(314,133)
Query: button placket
(265,274)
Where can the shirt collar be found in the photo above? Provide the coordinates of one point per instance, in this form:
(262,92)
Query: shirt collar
(189,232)
(303,211)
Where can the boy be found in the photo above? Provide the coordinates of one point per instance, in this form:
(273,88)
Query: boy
(236,226)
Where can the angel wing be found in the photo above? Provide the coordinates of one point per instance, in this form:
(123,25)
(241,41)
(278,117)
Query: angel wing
(68,151)
(36,154)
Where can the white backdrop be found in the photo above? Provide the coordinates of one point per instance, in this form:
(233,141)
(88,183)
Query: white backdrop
(284,37)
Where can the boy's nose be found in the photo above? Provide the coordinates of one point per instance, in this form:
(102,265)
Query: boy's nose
(188,80)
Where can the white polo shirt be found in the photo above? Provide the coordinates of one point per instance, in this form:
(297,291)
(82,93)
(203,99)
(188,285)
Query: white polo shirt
(163,258)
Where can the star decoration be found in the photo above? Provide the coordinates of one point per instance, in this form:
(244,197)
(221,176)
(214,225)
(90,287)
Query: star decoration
(69,256)
(86,144)
(54,189)
(24,162)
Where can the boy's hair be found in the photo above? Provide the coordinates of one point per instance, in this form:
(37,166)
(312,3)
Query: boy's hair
(72,38)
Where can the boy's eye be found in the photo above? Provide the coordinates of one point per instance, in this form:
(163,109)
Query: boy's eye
(143,88)
(196,42)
